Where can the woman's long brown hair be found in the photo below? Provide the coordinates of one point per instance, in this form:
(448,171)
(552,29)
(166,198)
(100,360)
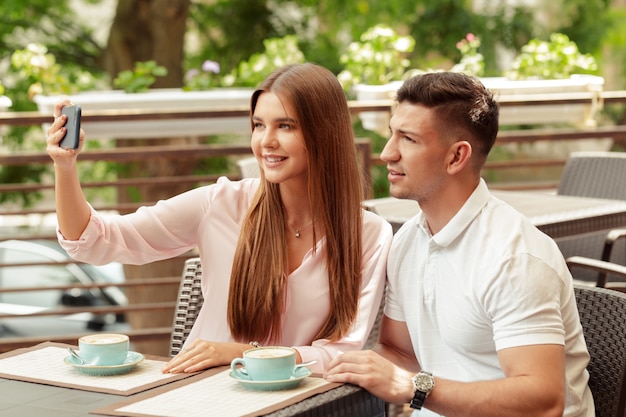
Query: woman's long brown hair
(256,300)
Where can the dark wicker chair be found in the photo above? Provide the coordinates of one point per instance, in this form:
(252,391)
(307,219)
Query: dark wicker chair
(595,175)
(602,314)
(345,400)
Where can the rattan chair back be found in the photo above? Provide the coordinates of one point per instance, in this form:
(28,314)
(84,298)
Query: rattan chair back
(594,175)
(603,318)
(188,304)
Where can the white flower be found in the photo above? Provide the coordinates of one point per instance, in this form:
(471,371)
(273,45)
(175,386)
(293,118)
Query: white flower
(39,61)
(404,44)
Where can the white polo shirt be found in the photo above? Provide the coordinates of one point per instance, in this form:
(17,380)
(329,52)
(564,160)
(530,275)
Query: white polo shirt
(489,280)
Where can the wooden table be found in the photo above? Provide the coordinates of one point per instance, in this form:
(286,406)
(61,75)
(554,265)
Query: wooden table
(556,215)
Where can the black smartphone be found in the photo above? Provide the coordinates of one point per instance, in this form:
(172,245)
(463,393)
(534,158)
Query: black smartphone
(72,136)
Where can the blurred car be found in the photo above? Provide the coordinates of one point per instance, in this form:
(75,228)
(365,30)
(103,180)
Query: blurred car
(37,276)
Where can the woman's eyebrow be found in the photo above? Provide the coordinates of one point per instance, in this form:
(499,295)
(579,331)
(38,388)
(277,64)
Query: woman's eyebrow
(287,119)
(278,120)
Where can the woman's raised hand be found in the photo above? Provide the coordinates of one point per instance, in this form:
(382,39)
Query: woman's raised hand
(56,132)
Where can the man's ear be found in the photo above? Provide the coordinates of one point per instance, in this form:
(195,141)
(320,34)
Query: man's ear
(460,156)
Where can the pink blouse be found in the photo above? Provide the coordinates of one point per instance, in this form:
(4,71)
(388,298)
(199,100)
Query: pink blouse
(210,218)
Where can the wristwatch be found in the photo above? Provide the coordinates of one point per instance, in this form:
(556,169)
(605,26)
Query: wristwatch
(423,382)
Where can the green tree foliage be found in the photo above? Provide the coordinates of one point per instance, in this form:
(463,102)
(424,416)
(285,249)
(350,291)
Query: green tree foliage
(140,78)
(50,23)
(444,22)
(230,32)
(53,23)
(586,22)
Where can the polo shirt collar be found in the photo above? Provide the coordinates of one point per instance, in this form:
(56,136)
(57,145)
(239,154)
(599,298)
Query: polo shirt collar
(461,220)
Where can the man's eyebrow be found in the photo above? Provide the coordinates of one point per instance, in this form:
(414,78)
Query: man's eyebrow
(406,132)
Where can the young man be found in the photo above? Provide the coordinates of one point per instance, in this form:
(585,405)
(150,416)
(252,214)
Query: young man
(480,318)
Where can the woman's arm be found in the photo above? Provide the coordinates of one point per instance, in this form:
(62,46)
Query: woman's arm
(73,212)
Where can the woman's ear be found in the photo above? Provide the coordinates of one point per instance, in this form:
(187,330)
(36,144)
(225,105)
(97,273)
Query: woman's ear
(460,156)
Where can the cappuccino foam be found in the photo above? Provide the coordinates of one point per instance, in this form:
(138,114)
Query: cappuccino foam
(269,353)
(103,339)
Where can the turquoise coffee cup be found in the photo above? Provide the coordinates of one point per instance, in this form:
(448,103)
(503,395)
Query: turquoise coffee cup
(268,363)
(105,349)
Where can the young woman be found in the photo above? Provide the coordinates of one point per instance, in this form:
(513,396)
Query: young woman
(288,259)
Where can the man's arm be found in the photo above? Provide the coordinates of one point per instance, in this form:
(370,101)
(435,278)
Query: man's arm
(534,382)
(534,386)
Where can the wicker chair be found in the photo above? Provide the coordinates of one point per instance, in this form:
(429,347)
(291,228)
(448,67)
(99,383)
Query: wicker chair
(602,314)
(610,274)
(188,304)
(343,401)
(596,175)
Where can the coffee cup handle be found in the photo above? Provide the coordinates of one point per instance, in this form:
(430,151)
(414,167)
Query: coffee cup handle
(239,372)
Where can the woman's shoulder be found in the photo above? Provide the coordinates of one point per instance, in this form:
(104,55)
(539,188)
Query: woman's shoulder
(372,222)
(223,193)
(224,187)
(245,184)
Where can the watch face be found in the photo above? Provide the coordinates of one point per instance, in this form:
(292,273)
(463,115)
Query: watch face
(424,382)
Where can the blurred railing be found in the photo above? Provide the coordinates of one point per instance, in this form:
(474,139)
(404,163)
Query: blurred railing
(123,154)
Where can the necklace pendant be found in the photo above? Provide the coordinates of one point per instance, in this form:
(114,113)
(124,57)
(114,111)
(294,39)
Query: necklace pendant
(297,233)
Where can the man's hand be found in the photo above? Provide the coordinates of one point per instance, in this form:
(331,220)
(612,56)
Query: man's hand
(374,373)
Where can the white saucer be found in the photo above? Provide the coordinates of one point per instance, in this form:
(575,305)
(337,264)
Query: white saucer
(132,359)
(297,377)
